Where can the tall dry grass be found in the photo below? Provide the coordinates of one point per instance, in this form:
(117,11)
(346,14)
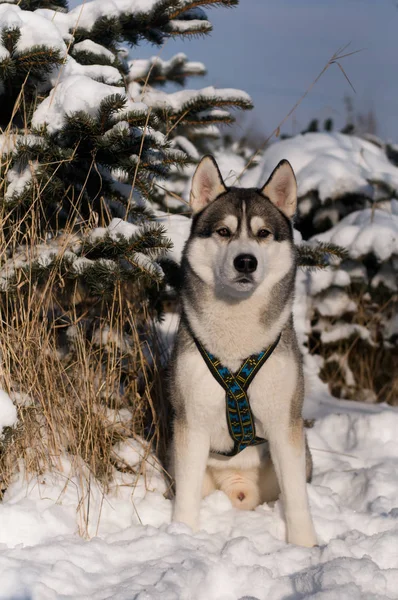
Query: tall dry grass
(84,372)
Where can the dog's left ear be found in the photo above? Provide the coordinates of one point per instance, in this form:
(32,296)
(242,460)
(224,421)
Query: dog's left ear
(207,184)
(281,188)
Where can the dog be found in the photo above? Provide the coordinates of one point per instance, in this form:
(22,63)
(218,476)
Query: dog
(238,276)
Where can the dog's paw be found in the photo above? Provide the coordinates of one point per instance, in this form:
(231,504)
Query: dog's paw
(186,519)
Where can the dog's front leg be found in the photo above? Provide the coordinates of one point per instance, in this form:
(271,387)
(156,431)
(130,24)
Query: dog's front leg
(288,452)
(190,454)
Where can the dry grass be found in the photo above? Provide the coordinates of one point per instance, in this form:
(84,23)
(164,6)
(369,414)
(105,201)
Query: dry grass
(80,387)
(78,397)
(83,371)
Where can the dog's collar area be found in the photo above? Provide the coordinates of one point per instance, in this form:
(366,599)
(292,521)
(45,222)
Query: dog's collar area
(240,418)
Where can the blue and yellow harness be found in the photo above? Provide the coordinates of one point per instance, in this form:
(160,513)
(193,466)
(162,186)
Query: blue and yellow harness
(240,418)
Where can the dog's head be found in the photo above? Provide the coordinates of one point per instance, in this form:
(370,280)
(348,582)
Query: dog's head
(241,239)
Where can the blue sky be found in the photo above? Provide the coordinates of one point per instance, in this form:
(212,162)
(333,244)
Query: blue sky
(274,49)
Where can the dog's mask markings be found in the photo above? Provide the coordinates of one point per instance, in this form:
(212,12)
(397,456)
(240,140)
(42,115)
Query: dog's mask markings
(207,184)
(230,222)
(281,188)
(259,229)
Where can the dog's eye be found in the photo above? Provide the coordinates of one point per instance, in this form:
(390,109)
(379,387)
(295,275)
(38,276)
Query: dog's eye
(224,232)
(263,233)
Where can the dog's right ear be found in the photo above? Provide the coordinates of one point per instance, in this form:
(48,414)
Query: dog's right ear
(281,188)
(207,184)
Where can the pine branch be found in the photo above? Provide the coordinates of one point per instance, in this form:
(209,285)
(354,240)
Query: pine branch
(165,18)
(10,37)
(149,240)
(156,71)
(99,262)
(85,57)
(189,5)
(188,28)
(108,109)
(321,255)
(38,61)
(51,4)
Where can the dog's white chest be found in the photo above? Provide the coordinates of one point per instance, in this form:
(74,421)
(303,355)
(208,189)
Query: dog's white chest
(205,405)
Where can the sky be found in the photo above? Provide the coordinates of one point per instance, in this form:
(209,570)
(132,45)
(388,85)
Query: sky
(274,49)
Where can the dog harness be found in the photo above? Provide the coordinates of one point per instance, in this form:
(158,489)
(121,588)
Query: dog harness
(239,415)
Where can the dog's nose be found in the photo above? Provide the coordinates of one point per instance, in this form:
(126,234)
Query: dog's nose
(245,263)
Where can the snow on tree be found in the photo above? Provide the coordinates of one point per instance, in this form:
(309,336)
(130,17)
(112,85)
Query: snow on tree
(354,308)
(88,139)
(84,129)
(336,174)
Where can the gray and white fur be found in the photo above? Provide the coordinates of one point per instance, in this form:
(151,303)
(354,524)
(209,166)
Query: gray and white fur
(239,267)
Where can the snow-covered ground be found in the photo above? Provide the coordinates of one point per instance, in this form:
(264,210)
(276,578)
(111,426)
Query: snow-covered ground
(136,553)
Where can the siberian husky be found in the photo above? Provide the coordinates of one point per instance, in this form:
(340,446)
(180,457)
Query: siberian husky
(239,267)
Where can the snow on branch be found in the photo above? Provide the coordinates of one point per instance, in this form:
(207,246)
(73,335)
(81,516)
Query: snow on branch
(333,165)
(195,100)
(193,27)
(33,30)
(365,232)
(106,255)
(155,70)
(77,93)
(86,14)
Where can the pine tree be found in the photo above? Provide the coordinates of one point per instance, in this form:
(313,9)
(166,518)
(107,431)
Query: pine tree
(88,140)
(85,131)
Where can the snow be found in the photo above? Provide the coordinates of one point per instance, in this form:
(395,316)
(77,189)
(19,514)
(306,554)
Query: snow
(85,14)
(332,164)
(343,331)
(182,143)
(77,92)
(177,229)
(323,279)
(335,303)
(190,26)
(115,229)
(143,262)
(35,29)
(179,100)
(135,551)
(365,232)
(90,46)
(61,20)
(387,276)
(8,412)
(140,68)
(109,75)
(18,180)
(10,141)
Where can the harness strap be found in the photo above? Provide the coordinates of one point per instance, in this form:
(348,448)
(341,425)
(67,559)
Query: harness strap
(240,418)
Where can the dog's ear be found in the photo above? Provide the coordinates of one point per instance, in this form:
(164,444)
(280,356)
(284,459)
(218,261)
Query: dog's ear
(207,184)
(281,188)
